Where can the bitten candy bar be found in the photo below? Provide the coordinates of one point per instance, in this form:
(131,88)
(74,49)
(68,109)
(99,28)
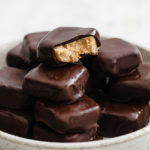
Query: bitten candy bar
(122,118)
(66,84)
(16,122)
(15,58)
(44,133)
(11,93)
(29,49)
(135,86)
(76,117)
(117,57)
(68,45)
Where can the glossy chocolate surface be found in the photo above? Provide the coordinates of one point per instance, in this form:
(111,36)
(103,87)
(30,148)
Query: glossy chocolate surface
(44,133)
(122,118)
(135,86)
(117,57)
(61,36)
(16,122)
(15,58)
(29,49)
(11,93)
(66,84)
(77,117)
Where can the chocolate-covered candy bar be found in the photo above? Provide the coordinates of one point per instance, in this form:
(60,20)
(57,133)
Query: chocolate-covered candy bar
(117,57)
(15,58)
(76,117)
(66,84)
(135,86)
(29,49)
(122,118)
(67,45)
(24,54)
(11,93)
(44,133)
(16,122)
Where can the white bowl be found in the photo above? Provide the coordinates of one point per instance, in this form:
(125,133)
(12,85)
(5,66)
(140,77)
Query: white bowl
(139,140)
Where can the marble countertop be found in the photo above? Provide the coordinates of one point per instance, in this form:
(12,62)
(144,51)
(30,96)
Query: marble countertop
(128,19)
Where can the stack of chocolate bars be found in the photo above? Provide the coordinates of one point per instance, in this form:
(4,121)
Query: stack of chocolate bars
(68,85)
(122,83)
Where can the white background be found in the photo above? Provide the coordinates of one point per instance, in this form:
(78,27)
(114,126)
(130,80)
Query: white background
(128,19)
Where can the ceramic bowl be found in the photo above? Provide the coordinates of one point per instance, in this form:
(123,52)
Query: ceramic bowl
(139,140)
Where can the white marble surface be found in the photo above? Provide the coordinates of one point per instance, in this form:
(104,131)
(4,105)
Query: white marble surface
(129,19)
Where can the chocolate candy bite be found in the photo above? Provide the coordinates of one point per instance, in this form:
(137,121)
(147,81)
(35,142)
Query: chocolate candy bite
(135,86)
(66,84)
(16,122)
(24,54)
(29,49)
(77,117)
(44,133)
(68,45)
(117,57)
(122,118)
(15,58)
(11,93)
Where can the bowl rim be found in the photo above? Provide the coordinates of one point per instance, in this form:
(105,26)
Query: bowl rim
(98,143)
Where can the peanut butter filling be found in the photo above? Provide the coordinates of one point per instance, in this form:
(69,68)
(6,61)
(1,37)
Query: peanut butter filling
(72,52)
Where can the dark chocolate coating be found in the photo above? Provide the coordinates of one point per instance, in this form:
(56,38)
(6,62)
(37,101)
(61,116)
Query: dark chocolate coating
(90,63)
(97,80)
(29,49)
(95,86)
(11,93)
(117,57)
(122,118)
(61,36)
(76,117)
(44,133)
(66,84)
(16,122)
(135,86)
(15,58)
